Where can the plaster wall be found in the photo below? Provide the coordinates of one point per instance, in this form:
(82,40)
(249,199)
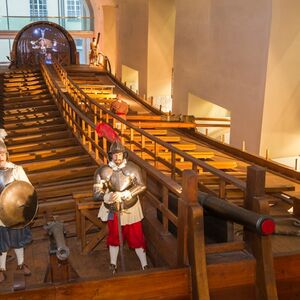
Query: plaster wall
(132,39)
(110,35)
(98,7)
(281,123)
(221,50)
(160,47)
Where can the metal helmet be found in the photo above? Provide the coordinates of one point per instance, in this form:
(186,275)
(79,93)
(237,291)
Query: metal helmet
(116,147)
(18,204)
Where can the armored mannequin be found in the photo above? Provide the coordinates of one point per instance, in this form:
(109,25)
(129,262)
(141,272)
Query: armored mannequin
(93,52)
(119,185)
(10,237)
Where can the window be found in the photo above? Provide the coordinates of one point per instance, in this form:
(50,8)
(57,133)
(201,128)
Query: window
(73,8)
(38,8)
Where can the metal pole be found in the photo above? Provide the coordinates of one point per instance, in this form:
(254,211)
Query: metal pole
(119,207)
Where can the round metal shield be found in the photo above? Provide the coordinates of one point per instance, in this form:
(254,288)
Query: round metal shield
(18,204)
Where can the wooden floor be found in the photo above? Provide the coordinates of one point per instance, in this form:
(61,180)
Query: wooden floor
(94,265)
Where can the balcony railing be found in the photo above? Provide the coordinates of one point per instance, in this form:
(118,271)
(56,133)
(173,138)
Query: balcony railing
(15,23)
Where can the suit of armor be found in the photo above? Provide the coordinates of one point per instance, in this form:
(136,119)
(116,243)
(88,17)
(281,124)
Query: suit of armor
(125,181)
(10,237)
(93,52)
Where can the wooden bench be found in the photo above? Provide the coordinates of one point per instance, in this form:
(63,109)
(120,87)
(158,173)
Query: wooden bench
(98,88)
(222,165)
(168,156)
(143,118)
(164,124)
(168,139)
(150,131)
(86,218)
(150,146)
(102,96)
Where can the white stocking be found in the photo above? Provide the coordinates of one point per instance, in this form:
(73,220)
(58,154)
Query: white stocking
(140,252)
(20,255)
(3,261)
(113,252)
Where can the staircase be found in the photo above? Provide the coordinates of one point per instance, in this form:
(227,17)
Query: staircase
(38,139)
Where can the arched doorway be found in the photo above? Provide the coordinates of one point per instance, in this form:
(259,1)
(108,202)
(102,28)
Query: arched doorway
(43,40)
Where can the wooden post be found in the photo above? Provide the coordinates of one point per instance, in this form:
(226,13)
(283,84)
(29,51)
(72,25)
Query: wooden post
(143,140)
(131,139)
(267,154)
(173,163)
(243,146)
(194,226)
(156,154)
(260,245)
(222,189)
(182,228)
(165,198)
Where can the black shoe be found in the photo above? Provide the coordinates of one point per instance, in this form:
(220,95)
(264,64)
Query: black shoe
(145,268)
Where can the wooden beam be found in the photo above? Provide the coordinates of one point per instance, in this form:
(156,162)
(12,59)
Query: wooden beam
(171,284)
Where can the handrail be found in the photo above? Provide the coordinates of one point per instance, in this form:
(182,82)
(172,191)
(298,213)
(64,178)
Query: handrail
(172,186)
(105,61)
(134,95)
(189,221)
(271,166)
(159,185)
(94,108)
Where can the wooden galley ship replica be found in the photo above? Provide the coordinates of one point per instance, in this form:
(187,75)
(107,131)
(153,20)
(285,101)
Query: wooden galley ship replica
(216,218)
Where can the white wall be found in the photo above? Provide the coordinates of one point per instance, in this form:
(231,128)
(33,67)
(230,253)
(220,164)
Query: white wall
(133,37)
(281,119)
(221,50)
(221,55)
(110,34)
(97,6)
(161,33)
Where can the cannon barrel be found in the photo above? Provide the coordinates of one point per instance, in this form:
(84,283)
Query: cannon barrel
(262,224)
(56,229)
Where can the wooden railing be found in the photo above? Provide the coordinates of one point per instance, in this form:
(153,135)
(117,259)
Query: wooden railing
(163,247)
(247,156)
(98,113)
(159,185)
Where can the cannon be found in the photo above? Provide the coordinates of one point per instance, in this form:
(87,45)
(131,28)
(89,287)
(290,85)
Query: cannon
(58,245)
(59,269)
(261,224)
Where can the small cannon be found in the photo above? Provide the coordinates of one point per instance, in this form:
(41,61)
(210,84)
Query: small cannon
(59,269)
(56,230)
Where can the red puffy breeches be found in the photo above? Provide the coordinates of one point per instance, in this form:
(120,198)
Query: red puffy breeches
(132,233)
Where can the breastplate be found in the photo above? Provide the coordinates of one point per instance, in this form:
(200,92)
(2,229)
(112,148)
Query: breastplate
(119,182)
(6,177)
